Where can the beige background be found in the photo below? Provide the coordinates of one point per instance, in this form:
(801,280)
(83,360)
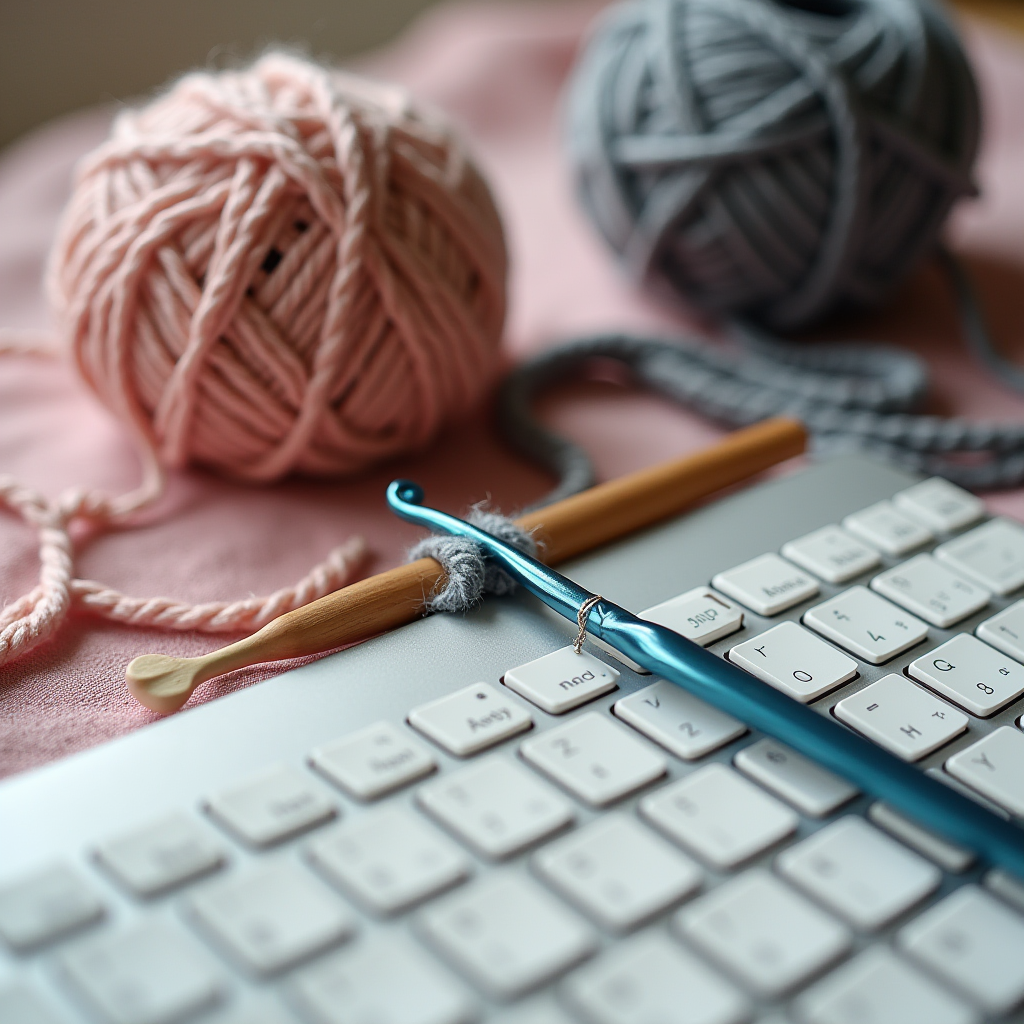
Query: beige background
(60,55)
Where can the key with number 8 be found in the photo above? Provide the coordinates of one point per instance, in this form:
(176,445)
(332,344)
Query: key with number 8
(971,674)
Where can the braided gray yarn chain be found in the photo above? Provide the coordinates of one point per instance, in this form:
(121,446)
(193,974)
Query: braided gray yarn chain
(847,395)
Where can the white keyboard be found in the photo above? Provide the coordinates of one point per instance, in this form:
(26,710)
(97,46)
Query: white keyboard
(465,821)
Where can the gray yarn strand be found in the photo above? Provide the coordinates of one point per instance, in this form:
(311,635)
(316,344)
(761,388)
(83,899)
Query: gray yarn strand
(848,396)
(469,575)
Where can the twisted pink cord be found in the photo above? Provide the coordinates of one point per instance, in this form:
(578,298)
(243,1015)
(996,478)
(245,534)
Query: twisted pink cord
(36,616)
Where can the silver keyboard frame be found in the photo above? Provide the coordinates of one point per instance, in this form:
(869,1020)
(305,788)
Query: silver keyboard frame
(60,811)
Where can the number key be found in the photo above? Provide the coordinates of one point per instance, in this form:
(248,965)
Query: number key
(971,674)
(676,720)
(866,625)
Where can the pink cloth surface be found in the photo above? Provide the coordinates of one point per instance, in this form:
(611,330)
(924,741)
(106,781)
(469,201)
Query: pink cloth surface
(498,70)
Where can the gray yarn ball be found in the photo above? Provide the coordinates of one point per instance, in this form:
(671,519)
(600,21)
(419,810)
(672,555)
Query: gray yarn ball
(775,160)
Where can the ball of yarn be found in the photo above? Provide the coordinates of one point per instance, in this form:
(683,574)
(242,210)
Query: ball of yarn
(779,160)
(281,268)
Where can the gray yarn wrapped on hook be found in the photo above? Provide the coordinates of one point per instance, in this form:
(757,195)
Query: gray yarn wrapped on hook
(772,159)
(468,574)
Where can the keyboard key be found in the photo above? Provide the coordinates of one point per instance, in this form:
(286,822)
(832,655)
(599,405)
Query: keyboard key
(562,680)
(941,775)
(879,988)
(20,1005)
(617,872)
(264,1011)
(389,860)
(866,625)
(898,715)
(940,505)
(884,527)
(992,555)
(541,1010)
(374,761)
(994,766)
(151,974)
(272,917)
(762,932)
(471,719)
(718,815)
(44,906)
(950,857)
(807,786)
(767,584)
(496,806)
(1009,888)
(681,723)
(795,661)
(160,856)
(1005,631)
(860,873)
(651,979)
(272,807)
(383,981)
(927,588)
(971,674)
(595,759)
(831,554)
(971,941)
(700,615)
(507,935)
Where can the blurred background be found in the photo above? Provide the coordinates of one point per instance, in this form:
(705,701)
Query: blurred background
(57,56)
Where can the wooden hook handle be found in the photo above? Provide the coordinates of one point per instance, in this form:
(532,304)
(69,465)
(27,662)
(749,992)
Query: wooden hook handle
(395,597)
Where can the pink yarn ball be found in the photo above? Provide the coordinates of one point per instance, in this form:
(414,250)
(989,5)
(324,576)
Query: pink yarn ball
(284,268)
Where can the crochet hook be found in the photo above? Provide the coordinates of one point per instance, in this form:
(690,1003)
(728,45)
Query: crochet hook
(667,654)
(162,682)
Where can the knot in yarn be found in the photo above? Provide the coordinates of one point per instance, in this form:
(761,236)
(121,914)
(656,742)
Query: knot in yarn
(775,159)
(468,574)
(282,268)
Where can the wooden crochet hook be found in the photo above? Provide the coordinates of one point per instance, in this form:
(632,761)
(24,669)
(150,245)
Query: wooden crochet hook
(375,605)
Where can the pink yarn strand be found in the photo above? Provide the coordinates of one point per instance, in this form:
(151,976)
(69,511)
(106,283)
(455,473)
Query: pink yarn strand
(243,616)
(36,616)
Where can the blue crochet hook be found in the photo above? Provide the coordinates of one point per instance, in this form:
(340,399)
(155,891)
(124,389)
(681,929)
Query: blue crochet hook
(667,654)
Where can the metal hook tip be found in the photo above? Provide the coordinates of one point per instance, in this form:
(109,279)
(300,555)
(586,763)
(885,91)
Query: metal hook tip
(405,492)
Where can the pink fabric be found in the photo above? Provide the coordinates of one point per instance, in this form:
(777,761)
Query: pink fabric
(498,70)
